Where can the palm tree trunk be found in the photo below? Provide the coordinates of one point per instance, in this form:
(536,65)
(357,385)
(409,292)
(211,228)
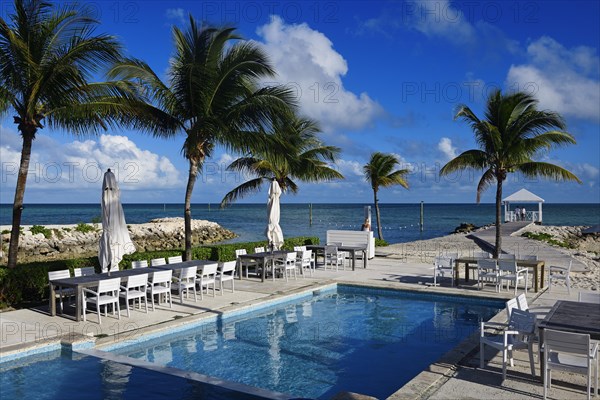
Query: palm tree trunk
(379,232)
(498,248)
(19,194)
(187,215)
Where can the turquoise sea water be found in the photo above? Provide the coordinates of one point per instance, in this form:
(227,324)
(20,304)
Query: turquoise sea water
(400,222)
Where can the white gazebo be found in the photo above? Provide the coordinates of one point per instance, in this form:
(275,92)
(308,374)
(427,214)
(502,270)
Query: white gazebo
(520,197)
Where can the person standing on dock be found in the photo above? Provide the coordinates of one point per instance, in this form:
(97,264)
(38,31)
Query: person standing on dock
(523,214)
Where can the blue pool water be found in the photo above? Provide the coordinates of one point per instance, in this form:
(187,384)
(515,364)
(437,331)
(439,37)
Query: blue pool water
(352,339)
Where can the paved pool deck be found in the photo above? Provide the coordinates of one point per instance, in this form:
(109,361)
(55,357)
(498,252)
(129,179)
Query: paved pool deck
(455,376)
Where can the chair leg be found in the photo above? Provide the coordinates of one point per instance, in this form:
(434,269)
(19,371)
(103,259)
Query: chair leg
(504,364)
(531,362)
(481,347)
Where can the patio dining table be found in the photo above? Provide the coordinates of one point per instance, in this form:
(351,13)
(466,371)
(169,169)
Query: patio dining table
(79,282)
(264,258)
(317,248)
(538,267)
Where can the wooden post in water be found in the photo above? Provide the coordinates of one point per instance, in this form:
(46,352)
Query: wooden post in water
(421,219)
(310,214)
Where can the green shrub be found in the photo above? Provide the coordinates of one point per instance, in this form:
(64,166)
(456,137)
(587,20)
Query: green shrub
(546,237)
(84,228)
(381,242)
(35,229)
(5,231)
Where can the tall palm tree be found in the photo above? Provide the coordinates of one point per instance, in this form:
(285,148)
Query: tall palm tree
(295,153)
(380,172)
(47,60)
(512,133)
(212,97)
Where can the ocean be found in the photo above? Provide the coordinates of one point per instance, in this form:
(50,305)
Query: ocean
(400,222)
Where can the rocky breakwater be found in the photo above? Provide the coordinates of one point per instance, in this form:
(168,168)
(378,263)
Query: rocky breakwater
(66,241)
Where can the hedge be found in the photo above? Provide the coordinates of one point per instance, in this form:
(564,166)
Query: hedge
(28,282)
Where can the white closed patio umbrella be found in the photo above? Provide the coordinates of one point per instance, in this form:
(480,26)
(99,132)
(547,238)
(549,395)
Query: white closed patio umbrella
(115,241)
(273,232)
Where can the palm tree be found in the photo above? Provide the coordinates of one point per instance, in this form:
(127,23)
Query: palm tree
(513,132)
(47,59)
(211,97)
(295,153)
(379,171)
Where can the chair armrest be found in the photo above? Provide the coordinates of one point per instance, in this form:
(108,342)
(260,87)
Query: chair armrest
(557,268)
(525,269)
(84,290)
(594,349)
(176,278)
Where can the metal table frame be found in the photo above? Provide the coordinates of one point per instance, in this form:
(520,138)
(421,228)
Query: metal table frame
(351,249)
(537,266)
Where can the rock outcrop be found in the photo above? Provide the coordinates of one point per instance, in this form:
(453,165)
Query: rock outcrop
(65,241)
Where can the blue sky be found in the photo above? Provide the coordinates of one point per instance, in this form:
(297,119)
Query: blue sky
(378,76)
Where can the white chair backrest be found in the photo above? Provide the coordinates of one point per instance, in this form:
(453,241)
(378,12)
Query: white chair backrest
(486,264)
(175,259)
(259,249)
(588,297)
(331,249)
(569,267)
(443,262)
(297,248)
(506,256)
(158,261)
(307,255)
(137,280)
(85,271)
(139,264)
(291,256)
(451,255)
(522,302)
(512,304)
(522,321)
(109,285)
(573,343)
(162,276)
(62,274)
(188,272)
(240,252)
(481,254)
(210,269)
(507,265)
(228,266)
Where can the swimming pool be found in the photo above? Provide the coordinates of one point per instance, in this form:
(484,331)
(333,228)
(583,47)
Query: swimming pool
(352,339)
(313,345)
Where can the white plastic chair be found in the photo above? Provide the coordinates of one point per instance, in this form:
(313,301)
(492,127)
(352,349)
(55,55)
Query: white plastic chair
(560,273)
(158,261)
(333,257)
(487,272)
(185,281)
(135,288)
(304,261)
(175,259)
(509,272)
(286,264)
(589,297)
(85,271)
(208,277)
(569,352)
(226,272)
(506,256)
(61,292)
(443,266)
(517,334)
(512,304)
(161,284)
(107,292)
(139,264)
(259,249)
(481,254)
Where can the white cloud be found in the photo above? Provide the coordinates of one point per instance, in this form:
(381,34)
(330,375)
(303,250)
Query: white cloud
(306,61)
(564,80)
(81,164)
(349,168)
(178,14)
(440,19)
(447,149)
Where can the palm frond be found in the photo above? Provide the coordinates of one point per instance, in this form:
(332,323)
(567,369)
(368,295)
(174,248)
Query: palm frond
(246,188)
(536,169)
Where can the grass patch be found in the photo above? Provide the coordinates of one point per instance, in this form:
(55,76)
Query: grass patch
(84,228)
(35,229)
(381,242)
(546,237)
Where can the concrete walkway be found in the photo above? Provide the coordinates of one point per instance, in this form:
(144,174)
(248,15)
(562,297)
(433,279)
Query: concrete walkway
(454,376)
(513,242)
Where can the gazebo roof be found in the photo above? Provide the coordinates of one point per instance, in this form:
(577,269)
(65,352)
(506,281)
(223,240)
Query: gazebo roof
(523,196)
